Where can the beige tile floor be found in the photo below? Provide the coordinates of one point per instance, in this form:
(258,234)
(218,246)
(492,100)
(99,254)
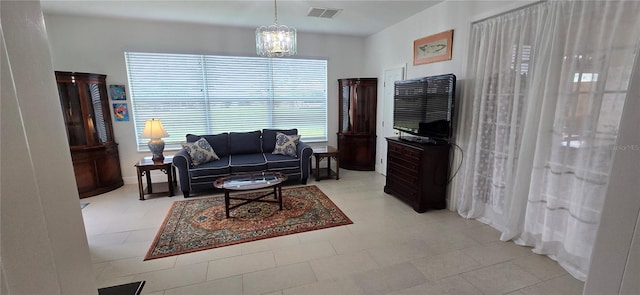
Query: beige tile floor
(389,249)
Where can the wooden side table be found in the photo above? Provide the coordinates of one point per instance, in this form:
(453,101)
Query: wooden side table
(327,152)
(144,168)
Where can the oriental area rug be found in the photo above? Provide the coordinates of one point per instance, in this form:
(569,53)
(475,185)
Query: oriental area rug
(200,224)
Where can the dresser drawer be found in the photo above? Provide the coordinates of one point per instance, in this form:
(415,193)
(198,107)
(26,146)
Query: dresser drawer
(406,185)
(399,171)
(402,189)
(404,150)
(408,164)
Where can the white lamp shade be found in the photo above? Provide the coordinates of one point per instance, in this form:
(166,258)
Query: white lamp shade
(153,129)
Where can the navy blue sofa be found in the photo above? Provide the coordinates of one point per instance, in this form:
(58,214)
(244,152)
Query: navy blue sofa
(241,152)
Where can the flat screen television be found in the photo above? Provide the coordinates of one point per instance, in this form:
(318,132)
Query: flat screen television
(424,107)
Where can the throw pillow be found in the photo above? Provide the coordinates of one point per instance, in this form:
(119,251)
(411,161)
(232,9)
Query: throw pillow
(286,144)
(200,152)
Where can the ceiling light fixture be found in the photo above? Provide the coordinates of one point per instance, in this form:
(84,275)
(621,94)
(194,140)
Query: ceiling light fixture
(276,40)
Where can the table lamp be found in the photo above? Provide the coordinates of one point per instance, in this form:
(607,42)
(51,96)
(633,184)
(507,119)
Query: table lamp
(153,129)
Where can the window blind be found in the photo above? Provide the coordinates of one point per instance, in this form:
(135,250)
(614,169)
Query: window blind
(208,94)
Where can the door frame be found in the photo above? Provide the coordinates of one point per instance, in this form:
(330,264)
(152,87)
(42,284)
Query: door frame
(386,124)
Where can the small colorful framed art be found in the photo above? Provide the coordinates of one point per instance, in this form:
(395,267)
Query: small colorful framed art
(121,112)
(117,92)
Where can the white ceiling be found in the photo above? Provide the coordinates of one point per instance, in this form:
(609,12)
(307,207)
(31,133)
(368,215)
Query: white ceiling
(359,17)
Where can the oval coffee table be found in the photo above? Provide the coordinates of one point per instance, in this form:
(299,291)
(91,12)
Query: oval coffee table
(248,182)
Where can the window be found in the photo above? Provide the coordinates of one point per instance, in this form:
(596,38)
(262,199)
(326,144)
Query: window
(208,94)
(593,107)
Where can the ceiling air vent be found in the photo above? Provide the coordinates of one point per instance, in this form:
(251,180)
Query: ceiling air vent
(323,12)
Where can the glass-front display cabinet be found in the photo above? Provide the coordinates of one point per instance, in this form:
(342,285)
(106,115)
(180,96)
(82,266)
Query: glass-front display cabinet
(85,108)
(357,123)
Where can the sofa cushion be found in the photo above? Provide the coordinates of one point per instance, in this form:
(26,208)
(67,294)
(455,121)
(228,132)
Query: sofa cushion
(284,164)
(219,142)
(245,143)
(214,168)
(286,144)
(275,161)
(269,138)
(200,152)
(248,163)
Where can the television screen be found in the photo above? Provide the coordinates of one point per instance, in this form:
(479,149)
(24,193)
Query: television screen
(424,107)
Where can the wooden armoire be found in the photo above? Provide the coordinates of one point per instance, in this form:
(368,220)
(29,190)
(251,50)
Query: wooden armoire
(357,123)
(86,111)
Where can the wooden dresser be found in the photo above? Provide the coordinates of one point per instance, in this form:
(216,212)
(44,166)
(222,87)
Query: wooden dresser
(417,173)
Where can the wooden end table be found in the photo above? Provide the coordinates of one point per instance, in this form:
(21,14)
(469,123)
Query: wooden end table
(251,181)
(144,168)
(329,153)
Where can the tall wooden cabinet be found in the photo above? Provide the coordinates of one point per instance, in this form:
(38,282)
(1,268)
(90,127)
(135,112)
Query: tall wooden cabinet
(357,123)
(85,108)
(417,173)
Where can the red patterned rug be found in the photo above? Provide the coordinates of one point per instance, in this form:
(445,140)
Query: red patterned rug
(200,224)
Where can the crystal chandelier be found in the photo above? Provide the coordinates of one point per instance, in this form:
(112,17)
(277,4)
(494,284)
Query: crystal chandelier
(276,40)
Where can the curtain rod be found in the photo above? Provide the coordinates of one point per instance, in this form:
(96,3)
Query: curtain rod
(509,11)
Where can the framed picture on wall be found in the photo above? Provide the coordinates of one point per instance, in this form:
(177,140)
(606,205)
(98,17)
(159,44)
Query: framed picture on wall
(117,92)
(433,48)
(121,112)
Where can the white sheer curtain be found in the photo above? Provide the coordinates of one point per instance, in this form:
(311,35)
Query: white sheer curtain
(546,88)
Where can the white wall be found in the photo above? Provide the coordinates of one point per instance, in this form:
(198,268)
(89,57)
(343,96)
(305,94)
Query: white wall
(44,244)
(97,45)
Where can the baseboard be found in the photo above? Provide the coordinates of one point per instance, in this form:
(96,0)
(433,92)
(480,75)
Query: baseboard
(154,179)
